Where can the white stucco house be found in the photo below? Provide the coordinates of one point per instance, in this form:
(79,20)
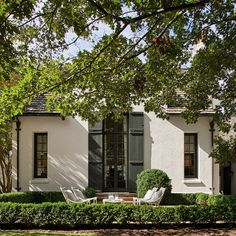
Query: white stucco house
(51,151)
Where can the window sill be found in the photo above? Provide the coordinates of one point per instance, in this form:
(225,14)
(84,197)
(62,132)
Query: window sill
(40,181)
(192,181)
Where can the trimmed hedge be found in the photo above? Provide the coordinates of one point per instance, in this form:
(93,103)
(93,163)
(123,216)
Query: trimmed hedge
(89,192)
(179,199)
(149,178)
(220,200)
(74,216)
(170,199)
(32,197)
(198,199)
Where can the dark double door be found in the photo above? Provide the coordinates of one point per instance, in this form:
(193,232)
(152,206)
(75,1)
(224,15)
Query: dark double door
(116,153)
(115,162)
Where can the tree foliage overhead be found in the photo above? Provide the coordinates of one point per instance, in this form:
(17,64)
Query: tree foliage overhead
(140,51)
(224,150)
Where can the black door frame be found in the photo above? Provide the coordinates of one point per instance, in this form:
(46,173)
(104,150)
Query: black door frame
(104,133)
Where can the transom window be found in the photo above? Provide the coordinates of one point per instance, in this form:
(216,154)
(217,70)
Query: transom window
(40,155)
(190,156)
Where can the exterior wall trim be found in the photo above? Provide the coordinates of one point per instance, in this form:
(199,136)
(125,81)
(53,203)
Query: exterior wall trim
(39,181)
(192,181)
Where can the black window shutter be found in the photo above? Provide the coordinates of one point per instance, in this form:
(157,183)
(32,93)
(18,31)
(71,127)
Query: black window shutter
(95,156)
(136,149)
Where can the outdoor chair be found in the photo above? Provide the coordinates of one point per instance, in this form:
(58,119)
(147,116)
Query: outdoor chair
(80,196)
(155,199)
(146,197)
(70,197)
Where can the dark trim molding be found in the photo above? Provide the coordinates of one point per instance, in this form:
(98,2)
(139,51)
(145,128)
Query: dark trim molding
(18,129)
(212,129)
(41,114)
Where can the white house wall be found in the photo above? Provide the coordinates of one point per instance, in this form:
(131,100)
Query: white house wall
(68,152)
(168,153)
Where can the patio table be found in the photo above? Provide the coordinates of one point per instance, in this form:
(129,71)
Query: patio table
(114,200)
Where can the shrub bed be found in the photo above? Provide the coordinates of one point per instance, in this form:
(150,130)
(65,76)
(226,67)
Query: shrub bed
(179,199)
(170,199)
(32,197)
(198,199)
(75,216)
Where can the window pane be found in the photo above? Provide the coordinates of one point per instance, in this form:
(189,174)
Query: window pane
(186,139)
(44,147)
(45,139)
(109,124)
(39,138)
(186,148)
(39,147)
(191,138)
(191,147)
(119,126)
(112,125)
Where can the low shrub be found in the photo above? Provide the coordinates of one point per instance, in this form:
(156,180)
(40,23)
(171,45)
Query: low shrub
(170,199)
(31,197)
(150,178)
(219,200)
(199,199)
(202,198)
(180,199)
(89,192)
(74,216)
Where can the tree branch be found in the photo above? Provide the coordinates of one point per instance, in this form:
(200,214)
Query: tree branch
(105,47)
(150,45)
(33,18)
(169,9)
(82,30)
(11,12)
(155,13)
(100,8)
(90,63)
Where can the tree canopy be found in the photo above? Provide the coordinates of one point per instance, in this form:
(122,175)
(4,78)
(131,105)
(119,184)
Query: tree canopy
(140,51)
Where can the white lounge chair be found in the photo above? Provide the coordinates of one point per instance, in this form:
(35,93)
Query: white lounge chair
(80,196)
(146,197)
(155,199)
(70,197)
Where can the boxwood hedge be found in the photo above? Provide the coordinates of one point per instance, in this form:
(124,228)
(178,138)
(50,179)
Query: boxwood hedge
(74,216)
(170,199)
(21,210)
(31,197)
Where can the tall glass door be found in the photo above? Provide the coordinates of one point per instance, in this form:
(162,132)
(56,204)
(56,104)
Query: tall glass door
(115,154)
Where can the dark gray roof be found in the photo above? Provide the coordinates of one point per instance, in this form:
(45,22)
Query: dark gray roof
(38,107)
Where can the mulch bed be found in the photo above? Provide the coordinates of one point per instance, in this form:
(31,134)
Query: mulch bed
(169,230)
